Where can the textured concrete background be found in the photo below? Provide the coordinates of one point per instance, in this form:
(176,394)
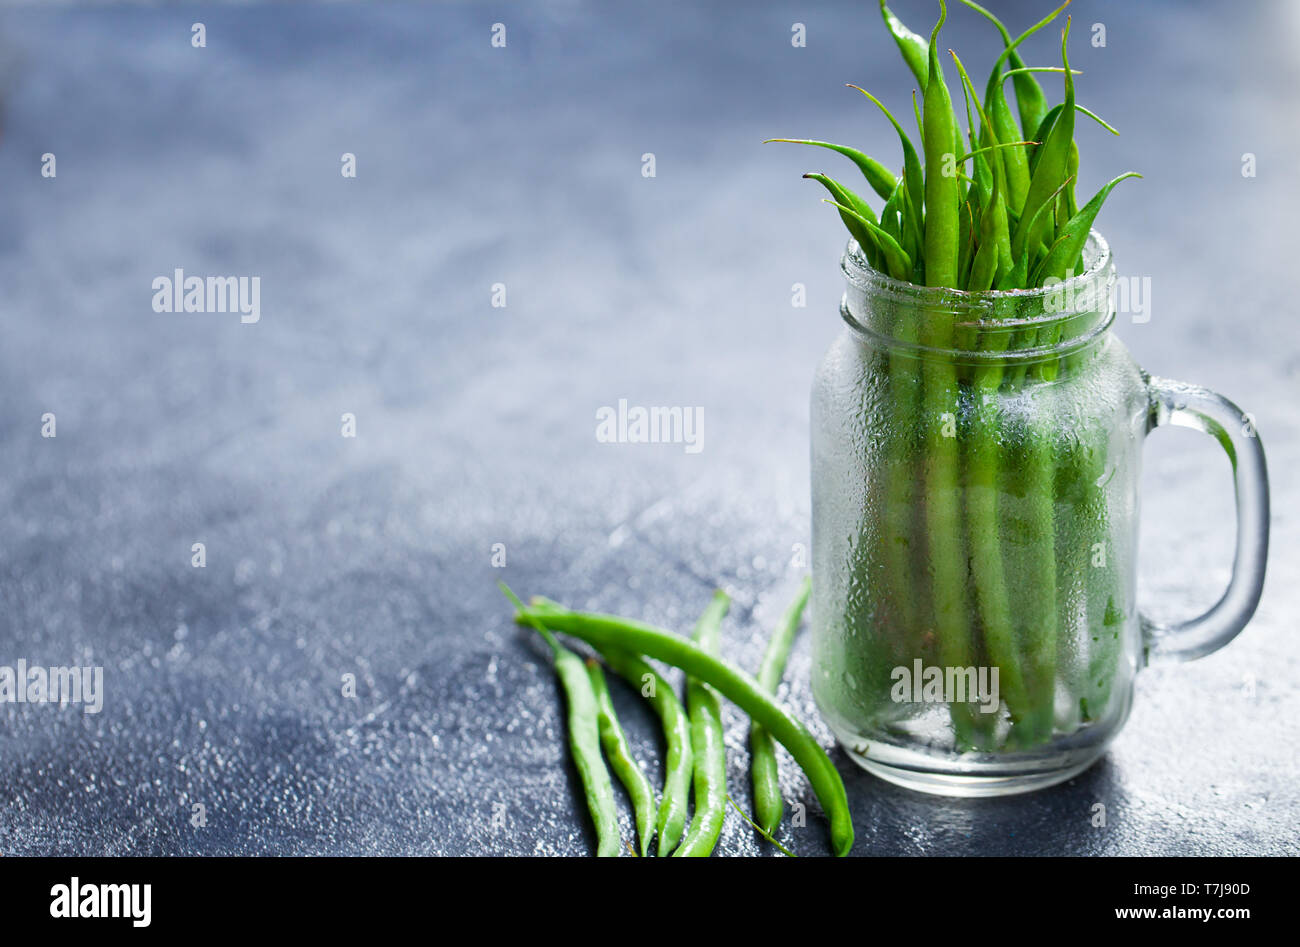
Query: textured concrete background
(372,556)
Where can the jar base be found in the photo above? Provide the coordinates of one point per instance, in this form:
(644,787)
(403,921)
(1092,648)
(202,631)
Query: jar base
(974,777)
(908,763)
(969,787)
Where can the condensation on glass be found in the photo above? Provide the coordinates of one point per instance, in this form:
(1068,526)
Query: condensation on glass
(975,471)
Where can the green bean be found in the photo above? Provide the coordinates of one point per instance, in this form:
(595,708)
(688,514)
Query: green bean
(1031,532)
(768,805)
(980,152)
(966,246)
(1069,245)
(1004,125)
(880,178)
(619,754)
(982,174)
(916,53)
(1052,166)
(984,459)
(947,558)
(1015,278)
(1085,587)
(912,173)
(890,222)
(920,121)
(913,47)
(861,209)
(984,265)
(1033,473)
(1030,101)
(897,528)
(1062,259)
(1039,606)
(1066,205)
(898,263)
(678,758)
(1106,648)
(1004,129)
(995,235)
(1020,271)
(1050,119)
(993,225)
(1045,125)
(584,734)
(1083,511)
(707,742)
(604,631)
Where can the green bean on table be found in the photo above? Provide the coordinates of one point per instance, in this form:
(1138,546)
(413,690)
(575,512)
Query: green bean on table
(674,804)
(707,742)
(768,805)
(584,736)
(619,754)
(608,631)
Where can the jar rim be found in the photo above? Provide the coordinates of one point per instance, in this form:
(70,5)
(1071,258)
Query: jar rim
(854,265)
(991,325)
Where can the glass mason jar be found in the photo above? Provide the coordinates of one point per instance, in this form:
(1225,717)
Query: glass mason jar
(975,468)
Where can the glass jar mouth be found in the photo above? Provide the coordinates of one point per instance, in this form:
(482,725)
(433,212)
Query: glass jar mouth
(1004,325)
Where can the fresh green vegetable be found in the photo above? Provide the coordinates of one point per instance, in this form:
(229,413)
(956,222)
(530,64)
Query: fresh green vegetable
(880,178)
(619,754)
(915,50)
(768,805)
(931,230)
(1063,255)
(859,217)
(896,258)
(707,742)
(584,734)
(1030,100)
(674,805)
(608,631)
(942,193)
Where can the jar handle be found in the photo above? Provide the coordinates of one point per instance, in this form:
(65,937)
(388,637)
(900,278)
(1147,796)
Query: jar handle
(1173,402)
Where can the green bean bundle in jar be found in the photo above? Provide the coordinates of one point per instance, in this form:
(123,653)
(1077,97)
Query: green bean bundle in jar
(976,450)
(975,506)
(974,517)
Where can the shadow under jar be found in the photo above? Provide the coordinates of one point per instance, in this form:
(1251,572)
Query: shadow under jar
(975,470)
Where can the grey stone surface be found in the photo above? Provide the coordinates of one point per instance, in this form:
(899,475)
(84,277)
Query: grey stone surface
(372,556)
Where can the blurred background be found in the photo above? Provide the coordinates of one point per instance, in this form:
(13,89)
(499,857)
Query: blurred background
(499,269)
